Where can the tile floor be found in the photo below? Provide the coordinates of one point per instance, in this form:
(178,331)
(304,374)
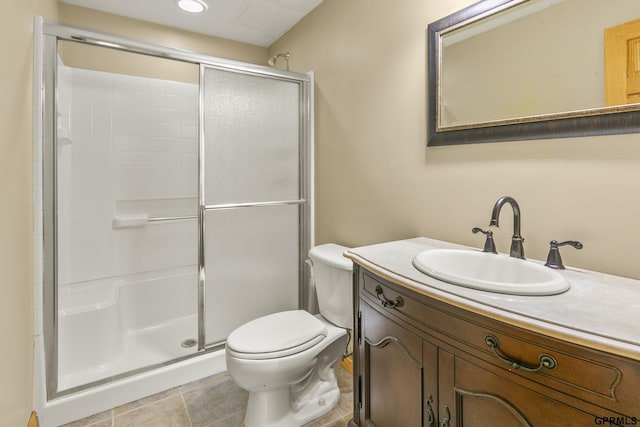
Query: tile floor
(210,402)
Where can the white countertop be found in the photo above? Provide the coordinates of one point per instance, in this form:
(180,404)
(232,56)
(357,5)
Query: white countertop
(600,311)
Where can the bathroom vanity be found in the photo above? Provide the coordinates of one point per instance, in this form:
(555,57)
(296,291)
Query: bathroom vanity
(430,353)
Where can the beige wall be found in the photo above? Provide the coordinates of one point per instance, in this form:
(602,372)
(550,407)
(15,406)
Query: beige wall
(16,285)
(376,181)
(16,227)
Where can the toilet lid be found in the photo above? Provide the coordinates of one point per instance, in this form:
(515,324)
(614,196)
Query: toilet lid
(277,335)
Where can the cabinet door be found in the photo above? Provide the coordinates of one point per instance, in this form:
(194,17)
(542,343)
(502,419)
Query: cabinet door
(472,396)
(392,371)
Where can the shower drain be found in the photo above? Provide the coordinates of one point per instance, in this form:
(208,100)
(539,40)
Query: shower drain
(189,343)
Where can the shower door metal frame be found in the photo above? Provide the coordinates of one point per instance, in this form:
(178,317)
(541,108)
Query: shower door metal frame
(52,33)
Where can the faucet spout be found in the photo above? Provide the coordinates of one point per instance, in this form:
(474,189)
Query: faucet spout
(517,249)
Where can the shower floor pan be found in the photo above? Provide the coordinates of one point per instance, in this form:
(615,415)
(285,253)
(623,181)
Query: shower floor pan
(112,326)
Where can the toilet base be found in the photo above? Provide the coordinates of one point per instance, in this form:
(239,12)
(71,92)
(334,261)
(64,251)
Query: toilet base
(273,408)
(293,390)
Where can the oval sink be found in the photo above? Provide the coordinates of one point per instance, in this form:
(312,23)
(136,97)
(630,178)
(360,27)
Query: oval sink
(490,272)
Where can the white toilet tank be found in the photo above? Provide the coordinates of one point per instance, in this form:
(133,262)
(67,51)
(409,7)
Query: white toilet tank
(334,281)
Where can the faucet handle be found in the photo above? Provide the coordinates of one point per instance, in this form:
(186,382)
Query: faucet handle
(554,260)
(489,244)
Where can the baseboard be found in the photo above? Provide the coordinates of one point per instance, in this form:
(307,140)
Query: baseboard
(33,420)
(347,364)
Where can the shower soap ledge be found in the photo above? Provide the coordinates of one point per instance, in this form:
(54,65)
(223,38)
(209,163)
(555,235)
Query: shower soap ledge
(130,221)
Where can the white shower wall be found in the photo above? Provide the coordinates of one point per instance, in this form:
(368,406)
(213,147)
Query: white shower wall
(127,149)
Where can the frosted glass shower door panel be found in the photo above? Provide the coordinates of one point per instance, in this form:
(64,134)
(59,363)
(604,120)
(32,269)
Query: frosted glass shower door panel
(252,266)
(252,138)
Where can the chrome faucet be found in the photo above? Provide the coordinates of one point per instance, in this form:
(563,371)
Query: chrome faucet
(517,250)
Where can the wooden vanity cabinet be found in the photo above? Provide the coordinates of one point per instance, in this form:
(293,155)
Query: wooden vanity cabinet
(398,373)
(422,362)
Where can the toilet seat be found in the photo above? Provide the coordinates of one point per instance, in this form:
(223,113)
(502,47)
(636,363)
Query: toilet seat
(276,335)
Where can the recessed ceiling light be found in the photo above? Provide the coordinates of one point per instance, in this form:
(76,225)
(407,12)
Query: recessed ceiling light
(193,6)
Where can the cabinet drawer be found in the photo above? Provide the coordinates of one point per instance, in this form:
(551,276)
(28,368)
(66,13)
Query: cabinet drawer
(600,378)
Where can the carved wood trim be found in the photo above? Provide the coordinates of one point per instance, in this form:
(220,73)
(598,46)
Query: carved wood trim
(460,393)
(393,340)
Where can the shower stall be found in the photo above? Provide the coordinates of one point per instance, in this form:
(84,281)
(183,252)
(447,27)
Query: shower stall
(176,206)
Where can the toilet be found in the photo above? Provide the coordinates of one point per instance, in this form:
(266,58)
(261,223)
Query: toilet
(285,360)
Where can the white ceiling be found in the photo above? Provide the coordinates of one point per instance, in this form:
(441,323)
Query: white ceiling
(257,22)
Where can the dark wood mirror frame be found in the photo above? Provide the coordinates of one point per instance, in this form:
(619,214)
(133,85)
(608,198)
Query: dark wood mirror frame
(611,121)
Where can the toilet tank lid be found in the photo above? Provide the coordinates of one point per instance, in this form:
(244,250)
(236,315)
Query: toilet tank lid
(331,254)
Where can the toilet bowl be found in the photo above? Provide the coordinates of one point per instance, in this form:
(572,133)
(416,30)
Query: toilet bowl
(285,360)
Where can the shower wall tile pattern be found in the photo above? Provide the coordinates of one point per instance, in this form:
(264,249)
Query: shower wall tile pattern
(127,146)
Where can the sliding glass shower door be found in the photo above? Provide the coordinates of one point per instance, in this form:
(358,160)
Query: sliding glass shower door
(251,197)
(175,204)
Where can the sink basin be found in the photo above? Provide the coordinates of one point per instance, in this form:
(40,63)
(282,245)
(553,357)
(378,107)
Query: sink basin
(490,272)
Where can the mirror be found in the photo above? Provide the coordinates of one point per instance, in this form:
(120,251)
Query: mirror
(504,70)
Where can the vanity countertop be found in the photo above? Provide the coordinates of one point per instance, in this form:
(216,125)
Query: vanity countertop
(600,311)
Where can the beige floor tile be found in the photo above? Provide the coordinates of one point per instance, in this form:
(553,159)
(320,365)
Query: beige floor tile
(102,419)
(103,423)
(127,407)
(236,420)
(345,404)
(345,379)
(170,412)
(215,403)
(206,382)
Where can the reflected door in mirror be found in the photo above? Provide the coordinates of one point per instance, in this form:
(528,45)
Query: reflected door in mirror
(622,63)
